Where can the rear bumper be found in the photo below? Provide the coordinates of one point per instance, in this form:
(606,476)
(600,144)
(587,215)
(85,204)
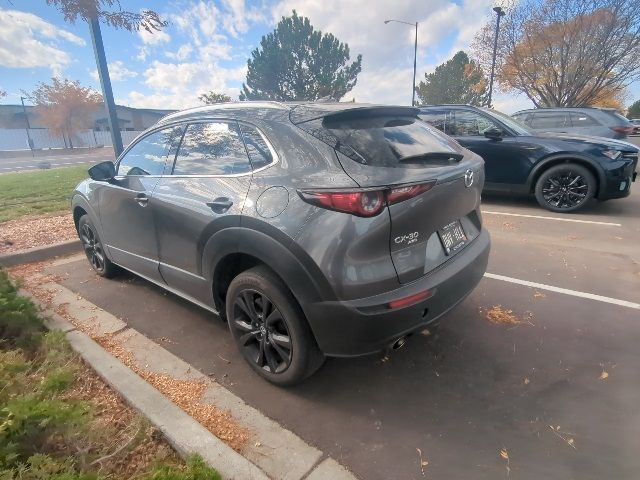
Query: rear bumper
(363,326)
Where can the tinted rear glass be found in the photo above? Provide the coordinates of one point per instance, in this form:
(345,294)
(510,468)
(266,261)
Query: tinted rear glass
(617,118)
(382,141)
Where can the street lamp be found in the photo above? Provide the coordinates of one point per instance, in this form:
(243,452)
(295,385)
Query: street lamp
(26,119)
(415,56)
(500,13)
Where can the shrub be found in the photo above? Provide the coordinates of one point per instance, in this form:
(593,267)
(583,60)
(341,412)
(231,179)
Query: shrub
(20,324)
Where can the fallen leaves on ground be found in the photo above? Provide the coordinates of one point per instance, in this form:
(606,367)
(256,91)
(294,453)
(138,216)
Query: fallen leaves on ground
(29,232)
(505,456)
(423,462)
(502,316)
(539,295)
(565,436)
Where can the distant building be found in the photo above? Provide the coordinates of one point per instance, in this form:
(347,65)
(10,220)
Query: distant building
(129,119)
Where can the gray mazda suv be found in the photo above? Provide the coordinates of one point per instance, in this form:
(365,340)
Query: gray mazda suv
(314,229)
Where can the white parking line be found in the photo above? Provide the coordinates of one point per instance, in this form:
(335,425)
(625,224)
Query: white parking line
(608,224)
(566,291)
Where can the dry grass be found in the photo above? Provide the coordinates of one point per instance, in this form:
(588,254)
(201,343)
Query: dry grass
(121,427)
(187,394)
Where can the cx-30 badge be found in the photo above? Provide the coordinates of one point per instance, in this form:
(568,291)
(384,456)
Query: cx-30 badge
(468,178)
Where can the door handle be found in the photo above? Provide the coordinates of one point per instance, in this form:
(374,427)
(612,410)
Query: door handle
(220,204)
(141,199)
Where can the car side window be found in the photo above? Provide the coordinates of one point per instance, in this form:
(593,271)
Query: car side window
(440,119)
(212,148)
(257,148)
(471,124)
(148,155)
(542,120)
(523,117)
(582,120)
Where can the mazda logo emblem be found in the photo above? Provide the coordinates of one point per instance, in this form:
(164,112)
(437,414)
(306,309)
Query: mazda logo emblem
(468,178)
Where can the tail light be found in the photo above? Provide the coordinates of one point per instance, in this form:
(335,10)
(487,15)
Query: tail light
(623,130)
(363,202)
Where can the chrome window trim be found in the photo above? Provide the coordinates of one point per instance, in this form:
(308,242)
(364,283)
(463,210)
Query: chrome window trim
(185,123)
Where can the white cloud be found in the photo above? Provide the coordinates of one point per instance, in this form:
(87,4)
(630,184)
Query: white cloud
(195,67)
(387,49)
(28,41)
(182,54)
(177,85)
(509,103)
(155,38)
(117,72)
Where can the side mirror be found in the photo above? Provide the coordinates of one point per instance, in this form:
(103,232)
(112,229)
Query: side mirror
(493,134)
(103,172)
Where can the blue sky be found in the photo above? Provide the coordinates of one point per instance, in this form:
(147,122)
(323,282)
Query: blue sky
(206,46)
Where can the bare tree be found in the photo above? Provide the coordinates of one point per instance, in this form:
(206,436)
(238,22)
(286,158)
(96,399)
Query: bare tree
(65,106)
(110,13)
(565,52)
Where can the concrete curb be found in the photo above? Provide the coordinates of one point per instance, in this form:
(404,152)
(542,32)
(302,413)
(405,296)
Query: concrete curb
(38,254)
(180,430)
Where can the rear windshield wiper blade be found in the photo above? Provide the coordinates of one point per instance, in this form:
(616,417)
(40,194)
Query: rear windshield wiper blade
(435,157)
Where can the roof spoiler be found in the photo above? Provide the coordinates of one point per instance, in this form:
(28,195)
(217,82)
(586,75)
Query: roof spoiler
(308,113)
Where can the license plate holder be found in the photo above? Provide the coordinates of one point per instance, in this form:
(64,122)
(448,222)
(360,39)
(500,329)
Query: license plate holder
(453,237)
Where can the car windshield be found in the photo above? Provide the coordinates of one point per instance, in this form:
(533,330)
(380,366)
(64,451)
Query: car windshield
(518,127)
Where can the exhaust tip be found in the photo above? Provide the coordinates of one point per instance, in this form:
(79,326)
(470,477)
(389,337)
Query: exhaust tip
(399,343)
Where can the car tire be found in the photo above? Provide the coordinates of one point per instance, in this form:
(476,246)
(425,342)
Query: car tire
(565,188)
(270,329)
(94,249)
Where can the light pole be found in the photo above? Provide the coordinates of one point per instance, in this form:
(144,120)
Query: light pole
(105,82)
(500,13)
(415,56)
(26,119)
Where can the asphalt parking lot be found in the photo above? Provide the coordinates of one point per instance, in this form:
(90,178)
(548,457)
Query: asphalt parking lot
(535,390)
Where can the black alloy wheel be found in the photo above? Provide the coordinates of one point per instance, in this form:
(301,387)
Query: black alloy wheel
(92,247)
(263,333)
(269,327)
(565,188)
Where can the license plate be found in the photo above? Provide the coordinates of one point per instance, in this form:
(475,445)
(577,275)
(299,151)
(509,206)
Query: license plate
(452,237)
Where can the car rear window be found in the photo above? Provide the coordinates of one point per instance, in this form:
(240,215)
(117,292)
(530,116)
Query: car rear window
(617,118)
(395,141)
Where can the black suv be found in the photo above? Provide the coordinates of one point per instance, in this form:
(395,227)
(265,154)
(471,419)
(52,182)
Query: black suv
(316,230)
(563,171)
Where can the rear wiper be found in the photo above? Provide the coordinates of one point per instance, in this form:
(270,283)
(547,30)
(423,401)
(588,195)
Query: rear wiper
(436,157)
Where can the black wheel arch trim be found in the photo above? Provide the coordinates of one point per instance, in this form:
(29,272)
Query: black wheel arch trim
(569,157)
(79,201)
(276,250)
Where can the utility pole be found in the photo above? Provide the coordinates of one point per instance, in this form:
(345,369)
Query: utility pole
(105,82)
(26,119)
(501,13)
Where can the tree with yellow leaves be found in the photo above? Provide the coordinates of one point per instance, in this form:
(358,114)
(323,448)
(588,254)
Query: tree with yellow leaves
(566,52)
(65,106)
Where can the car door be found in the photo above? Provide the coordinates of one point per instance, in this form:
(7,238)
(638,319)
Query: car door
(205,193)
(505,164)
(125,202)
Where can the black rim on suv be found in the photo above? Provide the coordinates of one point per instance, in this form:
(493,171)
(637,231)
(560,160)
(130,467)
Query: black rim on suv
(262,331)
(92,247)
(566,189)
